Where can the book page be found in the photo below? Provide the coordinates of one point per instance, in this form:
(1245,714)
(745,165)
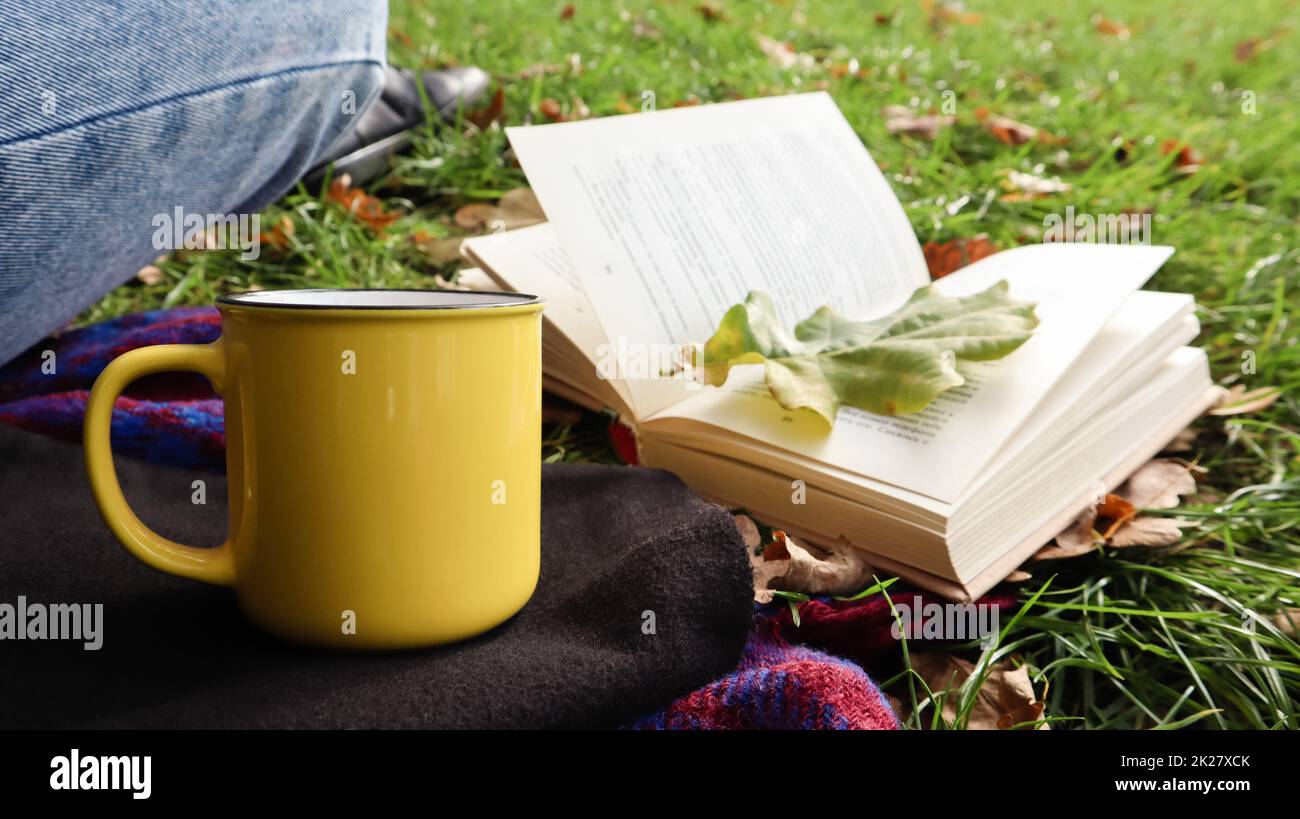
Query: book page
(532,260)
(938,452)
(671,217)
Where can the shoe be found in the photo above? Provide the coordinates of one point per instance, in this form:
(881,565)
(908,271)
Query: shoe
(383,129)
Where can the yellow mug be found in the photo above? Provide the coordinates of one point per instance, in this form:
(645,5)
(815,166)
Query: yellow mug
(383,459)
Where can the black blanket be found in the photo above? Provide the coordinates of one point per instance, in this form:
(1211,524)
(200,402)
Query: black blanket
(616,543)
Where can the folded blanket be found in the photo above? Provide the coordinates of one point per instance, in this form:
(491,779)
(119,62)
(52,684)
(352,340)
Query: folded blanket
(176,420)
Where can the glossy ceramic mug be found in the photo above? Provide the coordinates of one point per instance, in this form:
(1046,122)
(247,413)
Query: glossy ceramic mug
(383,459)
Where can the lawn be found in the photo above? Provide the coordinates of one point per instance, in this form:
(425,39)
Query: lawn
(1184,110)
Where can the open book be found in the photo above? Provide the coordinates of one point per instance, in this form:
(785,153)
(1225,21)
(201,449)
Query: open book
(659,222)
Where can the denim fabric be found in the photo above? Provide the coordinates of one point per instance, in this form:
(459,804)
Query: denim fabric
(114,113)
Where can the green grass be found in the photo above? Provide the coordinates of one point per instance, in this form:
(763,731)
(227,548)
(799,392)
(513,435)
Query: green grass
(1133,639)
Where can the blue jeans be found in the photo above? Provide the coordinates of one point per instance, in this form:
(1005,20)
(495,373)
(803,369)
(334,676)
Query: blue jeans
(116,116)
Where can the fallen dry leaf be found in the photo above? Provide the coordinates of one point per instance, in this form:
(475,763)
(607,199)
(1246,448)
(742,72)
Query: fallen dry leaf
(1147,531)
(364,207)
(787,566)
(568,11)
(482,118)
(150,274)
(899,119)
(1239,401)
(943,258)
(711,12)
(942,13)
(550,109)
(1288,621)
(1158,484)
(1110,28)
(474,216)
(1024,187)
(1013,132)
(440,250)
(1186,158)
(1183,441)
(540,70)
(1249,49)
(515,209)
(1116,511)
(783,55)
(278,236)
(1005,700)
(1077,539)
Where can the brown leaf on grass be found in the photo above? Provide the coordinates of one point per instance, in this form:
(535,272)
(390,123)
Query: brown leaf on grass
(540,70)
(1110,28)
(475,216)
(785,565)
(711,12)
(1249,49)
(1115,512)
(1005,700)
(568,11)
(363,207)
(1147,531)
(1013,132)
(150,274)
(440,250)
(943,13)
(1077,539)
(1239,400)
(482,118)
(1025,187)
(550,109)
(1158,484)
(943,258)
(401,36)
(278,236)
(1288,621)
(883,18)
(554,111)
(1186,158)
(515,209)
(783,55)
(899,119)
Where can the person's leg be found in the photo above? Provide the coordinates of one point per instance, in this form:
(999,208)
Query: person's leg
(113,117)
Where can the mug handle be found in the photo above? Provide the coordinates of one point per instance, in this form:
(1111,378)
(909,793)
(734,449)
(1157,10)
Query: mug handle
(209,565)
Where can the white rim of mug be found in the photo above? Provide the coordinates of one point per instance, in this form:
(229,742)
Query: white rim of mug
(267,299)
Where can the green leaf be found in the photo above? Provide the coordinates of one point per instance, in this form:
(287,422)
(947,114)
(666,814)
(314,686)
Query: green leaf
(889,366)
